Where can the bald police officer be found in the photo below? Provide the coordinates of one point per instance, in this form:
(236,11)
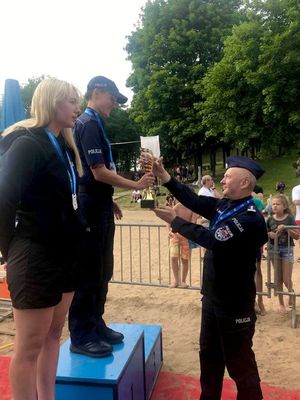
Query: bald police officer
(237,230)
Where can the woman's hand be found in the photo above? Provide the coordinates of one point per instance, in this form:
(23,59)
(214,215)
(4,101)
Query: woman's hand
(117,211)
(145,181)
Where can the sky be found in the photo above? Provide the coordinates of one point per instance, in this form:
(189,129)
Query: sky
(70,40)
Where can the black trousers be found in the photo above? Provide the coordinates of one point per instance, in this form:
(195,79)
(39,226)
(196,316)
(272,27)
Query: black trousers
(226,341)
(87,308)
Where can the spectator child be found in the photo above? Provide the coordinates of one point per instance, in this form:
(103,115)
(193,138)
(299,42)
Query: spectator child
(276,225)
(179,248)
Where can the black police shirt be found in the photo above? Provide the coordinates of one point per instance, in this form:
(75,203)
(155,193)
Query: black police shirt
(93,150)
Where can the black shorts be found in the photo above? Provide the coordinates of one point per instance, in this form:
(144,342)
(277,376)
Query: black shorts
(37,277)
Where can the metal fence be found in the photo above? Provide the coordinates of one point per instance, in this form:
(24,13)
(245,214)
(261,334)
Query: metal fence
(142,257)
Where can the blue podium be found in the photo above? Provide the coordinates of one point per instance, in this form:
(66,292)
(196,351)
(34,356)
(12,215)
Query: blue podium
(129,373)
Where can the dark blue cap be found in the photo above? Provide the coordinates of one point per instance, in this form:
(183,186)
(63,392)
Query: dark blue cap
(247,163)
(105,84)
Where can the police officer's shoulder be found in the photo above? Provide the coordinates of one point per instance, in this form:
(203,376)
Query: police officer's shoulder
(84,118)
(252,210)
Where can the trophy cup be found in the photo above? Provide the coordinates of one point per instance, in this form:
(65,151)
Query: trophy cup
(148,197)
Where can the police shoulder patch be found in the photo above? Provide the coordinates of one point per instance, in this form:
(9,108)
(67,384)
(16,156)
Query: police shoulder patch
(223,233)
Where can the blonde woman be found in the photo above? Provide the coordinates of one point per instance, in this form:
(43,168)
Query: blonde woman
(40,232)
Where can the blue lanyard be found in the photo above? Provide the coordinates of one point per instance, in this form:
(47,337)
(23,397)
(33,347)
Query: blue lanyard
(226,214)
(93,113)
(70,167)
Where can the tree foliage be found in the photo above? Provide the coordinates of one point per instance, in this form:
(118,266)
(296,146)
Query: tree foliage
(121,129)
(252,94)
(217,72)
(172,48)
(27,91)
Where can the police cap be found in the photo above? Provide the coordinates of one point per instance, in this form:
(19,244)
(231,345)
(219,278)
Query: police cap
(106,85)
(247,163)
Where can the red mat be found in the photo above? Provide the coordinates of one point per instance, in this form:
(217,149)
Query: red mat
(4,387)
(171,386)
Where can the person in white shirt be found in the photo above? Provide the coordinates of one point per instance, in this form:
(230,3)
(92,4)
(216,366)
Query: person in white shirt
(208,187)
(296,201)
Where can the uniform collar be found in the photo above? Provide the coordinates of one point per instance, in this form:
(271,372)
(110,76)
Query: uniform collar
(238,201)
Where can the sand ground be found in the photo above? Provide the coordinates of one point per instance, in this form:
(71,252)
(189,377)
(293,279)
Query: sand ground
(276,344)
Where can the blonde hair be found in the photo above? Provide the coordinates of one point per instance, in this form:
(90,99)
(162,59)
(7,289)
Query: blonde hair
(47,95)
(285,202)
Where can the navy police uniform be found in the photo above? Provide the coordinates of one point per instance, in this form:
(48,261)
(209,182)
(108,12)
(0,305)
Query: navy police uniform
(96,204)
(236,231)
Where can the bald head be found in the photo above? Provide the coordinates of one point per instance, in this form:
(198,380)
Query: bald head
(238,183)
(207,181)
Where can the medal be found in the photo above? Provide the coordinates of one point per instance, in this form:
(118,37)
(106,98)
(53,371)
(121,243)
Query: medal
(74,201)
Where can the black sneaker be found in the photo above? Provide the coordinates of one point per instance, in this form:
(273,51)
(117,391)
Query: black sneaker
(109,335)
(93,349)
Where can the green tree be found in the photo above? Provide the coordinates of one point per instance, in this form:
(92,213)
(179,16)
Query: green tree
(27,91)
(232,111)
(252,94)
(121,130)
(172,48)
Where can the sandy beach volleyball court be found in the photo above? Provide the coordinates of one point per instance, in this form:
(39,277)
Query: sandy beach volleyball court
(276,344)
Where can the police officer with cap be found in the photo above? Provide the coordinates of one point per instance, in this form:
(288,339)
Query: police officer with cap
(89,333)
(237,229)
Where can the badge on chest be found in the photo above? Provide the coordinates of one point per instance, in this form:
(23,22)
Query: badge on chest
(223,233)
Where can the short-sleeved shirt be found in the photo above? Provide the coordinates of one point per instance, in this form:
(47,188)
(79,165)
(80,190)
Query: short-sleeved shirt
(206,192)
(272,225)
(94,148)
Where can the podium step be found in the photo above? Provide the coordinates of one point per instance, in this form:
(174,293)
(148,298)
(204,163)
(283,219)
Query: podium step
(128,374)
(152,352)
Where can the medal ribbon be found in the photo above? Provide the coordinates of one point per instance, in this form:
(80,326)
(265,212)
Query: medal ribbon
(93,113)
(70,168)
(226,214)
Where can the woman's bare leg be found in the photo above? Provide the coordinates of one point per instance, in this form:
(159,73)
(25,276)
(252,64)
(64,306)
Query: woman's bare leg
(32,326)
(48,357)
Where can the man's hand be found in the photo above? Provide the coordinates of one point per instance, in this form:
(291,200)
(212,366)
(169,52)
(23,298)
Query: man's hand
(145,181)
(117,211)
(167,214)
(160,172)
